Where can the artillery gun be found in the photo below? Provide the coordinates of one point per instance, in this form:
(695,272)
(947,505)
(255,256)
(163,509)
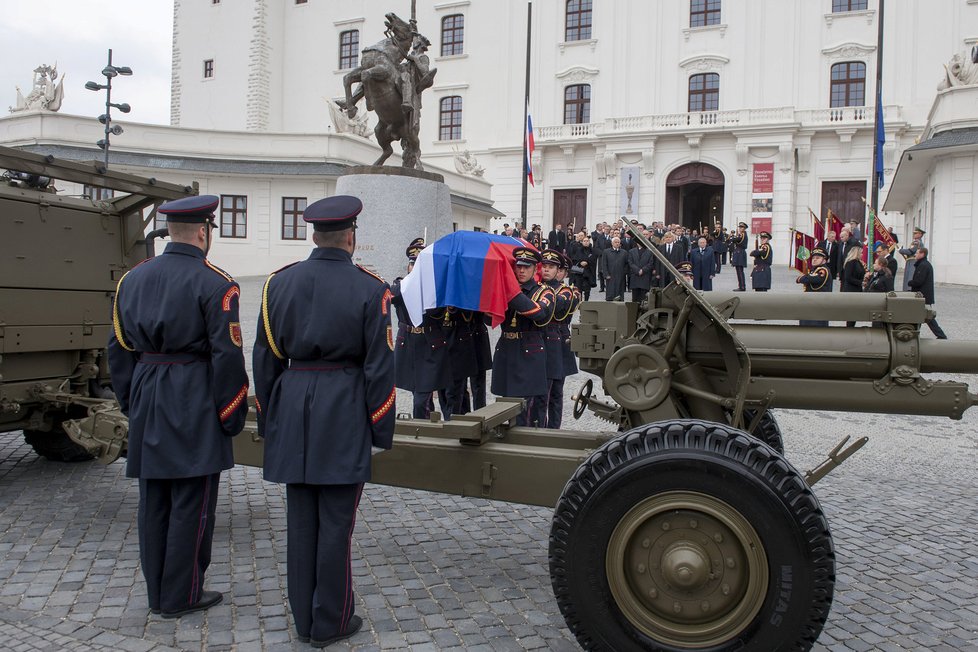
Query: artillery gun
(60,259)
(684,527)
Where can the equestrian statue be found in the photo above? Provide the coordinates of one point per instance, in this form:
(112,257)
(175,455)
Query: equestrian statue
(392,75)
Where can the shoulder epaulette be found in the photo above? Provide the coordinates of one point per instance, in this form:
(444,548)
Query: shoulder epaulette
(220,271)
(285,267)
(376,276)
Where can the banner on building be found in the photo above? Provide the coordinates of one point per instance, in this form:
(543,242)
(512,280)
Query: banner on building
(630,177)
(762,197)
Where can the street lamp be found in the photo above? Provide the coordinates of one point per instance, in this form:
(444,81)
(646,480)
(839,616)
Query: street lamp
(109,71)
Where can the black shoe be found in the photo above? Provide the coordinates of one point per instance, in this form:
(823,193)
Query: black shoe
(740,290)
(207,600)
(356,622)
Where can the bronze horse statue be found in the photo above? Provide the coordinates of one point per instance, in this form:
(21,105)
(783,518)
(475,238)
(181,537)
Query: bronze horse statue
(391,77)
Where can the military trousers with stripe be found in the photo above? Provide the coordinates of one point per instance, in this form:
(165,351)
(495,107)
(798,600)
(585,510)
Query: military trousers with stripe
(176,529)
(320,536)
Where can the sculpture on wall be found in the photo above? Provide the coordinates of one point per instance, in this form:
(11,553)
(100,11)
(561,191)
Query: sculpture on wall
(45,94)
(465,163)
(344,124)
(961,70)
(392,75)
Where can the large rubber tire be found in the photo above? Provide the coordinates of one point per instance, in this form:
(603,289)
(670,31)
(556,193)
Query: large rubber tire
(768,430)
(56,446)
(691,478)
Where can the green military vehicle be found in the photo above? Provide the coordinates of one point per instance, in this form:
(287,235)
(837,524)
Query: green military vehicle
(61,257)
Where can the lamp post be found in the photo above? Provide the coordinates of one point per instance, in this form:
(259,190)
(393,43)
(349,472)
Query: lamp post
(109,71)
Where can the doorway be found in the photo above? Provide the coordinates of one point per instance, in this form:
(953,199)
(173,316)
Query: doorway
(570,207)
(694,196)
(844,198)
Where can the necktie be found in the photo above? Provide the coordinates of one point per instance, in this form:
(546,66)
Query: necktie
(669,249)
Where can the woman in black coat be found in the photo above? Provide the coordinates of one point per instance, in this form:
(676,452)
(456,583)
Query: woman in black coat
(853,273)
(881,280)
(585,258)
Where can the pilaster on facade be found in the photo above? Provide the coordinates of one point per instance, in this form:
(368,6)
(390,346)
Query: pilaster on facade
(259,75)
(175,77)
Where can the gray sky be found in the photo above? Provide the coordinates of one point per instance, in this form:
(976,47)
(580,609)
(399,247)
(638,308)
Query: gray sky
(77,34)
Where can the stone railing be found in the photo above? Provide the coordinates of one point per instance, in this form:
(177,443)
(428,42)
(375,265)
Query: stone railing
(716,120)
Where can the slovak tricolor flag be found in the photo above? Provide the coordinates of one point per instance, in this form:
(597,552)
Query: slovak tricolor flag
(529,148)
(470,270)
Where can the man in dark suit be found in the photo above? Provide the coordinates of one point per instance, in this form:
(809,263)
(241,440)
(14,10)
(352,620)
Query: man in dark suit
(615,268)
(833,252)
(324,381)
(704,265)
(923,282)
(674,252)
(178,372)
(641,262)
(557,239)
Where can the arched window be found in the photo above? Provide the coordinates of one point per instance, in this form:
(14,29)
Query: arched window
(704,92)
(577,104)
(848,84)
(349,49)
(577,24)
(450,118)
(704,12)
(452,34)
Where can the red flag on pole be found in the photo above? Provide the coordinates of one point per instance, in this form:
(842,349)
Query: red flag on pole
(817,227)
(529,148)
(835,223)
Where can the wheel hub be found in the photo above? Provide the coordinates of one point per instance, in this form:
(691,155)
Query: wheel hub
(687,569)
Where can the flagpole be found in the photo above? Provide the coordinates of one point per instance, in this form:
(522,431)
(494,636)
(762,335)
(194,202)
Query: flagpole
(878,113)
(526,111)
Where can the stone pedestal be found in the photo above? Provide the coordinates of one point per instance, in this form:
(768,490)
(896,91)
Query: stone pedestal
(399,204)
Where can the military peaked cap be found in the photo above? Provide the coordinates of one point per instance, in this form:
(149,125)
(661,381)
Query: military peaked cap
(551,257)
(685,267)
(743,225)
(765,234)
(414,249)
(818,251)
(333,213)
(190,210)
(526,256)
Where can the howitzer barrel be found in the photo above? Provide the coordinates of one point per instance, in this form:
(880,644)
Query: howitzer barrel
(957,357)
(903,307)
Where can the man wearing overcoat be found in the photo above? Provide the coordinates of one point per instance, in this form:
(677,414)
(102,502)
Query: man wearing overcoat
(324,379)
(178,372)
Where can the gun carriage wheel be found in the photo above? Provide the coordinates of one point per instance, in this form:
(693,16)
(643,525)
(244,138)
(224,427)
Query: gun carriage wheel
(55,444)
(686,535)
(767,429)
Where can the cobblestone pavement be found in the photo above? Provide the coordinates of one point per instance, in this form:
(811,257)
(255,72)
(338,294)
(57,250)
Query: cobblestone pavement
(436,572)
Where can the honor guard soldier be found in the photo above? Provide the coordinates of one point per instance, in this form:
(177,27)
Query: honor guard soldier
(737,244)
(519,367)
(324,378)
(567,300)
(818,279)
(551,260)
(686,269)
(178,372)
(423,362)
(483,356)
(760,276)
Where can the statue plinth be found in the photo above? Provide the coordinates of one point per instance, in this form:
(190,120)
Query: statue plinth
(399,204)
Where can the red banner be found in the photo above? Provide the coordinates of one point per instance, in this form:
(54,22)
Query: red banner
(763,177)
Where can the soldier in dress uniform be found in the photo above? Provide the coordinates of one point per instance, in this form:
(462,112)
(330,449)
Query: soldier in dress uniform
(178,372)
(519,367)
(760,276)
(554,339)
(686,269)
(818,279)
(737,244)
(483,355)
(324,379)
(461,353)
(423,362)
(571,298)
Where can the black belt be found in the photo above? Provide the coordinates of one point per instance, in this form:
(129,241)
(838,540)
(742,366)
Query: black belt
(319,365)
(171,358)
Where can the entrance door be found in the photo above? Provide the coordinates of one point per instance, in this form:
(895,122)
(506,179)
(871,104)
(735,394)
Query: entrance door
(694,196)
(844,198)
(570,207)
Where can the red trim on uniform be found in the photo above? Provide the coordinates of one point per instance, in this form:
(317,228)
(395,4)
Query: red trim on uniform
(385,302)
(257,405)
(531,312)
(348,594)
(385,408)
(235,403)
(201,526)
(230,294)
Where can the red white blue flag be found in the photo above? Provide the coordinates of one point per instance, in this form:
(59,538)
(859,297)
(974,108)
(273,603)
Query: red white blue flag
(528,163)
(470,270)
